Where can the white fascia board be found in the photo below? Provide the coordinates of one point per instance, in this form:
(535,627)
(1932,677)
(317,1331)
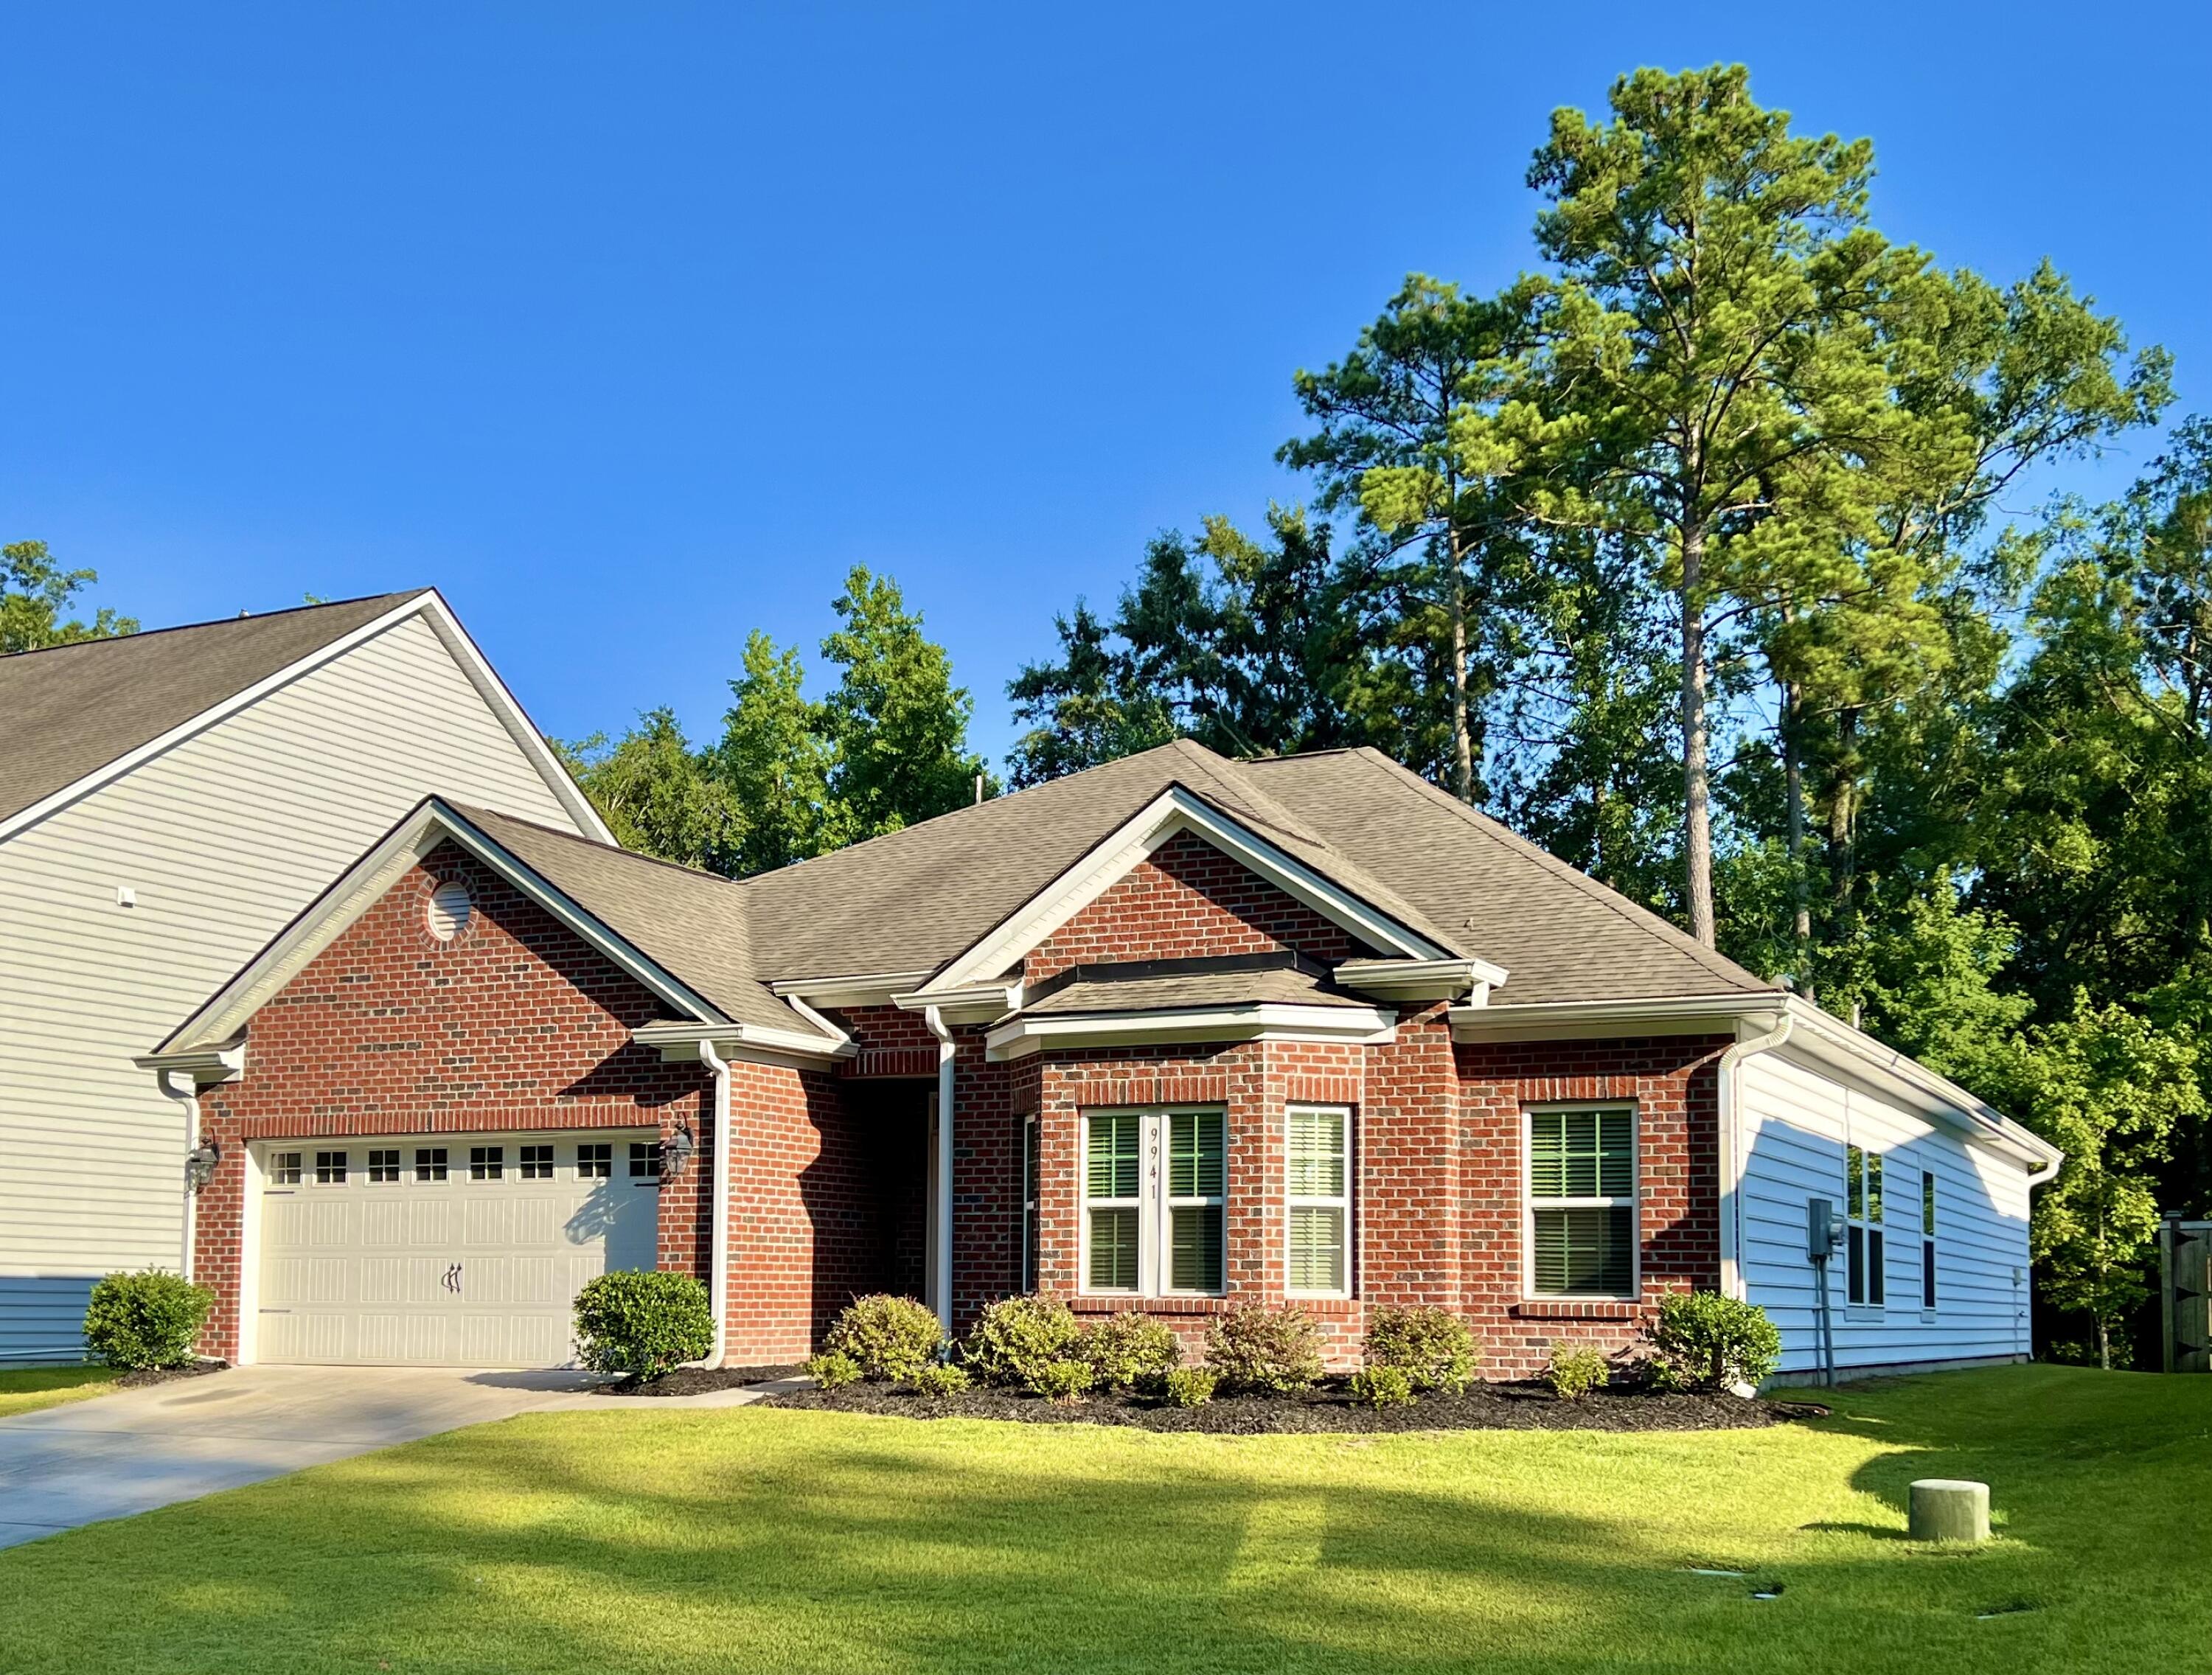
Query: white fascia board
(1422,980)
(511,716)
(877,988)
(78,789)
(1816,1034)
(1173,811)
(1275,1021)
(1572,1020)
(979,1003)
(365,883)
(679,1042)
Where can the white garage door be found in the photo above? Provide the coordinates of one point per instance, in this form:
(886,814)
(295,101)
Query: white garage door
(446,1249)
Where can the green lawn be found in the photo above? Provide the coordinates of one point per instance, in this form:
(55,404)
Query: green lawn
(744,1540)
(23,1390)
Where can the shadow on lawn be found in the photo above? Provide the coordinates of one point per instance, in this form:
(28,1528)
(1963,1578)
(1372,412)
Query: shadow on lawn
(802,1542)
(885,1552)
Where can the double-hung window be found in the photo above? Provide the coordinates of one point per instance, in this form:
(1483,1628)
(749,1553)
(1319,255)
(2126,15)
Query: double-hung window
(1155,1190)
(1927,1238)
(1582,1202)
(1862,1215)
(1318,1176)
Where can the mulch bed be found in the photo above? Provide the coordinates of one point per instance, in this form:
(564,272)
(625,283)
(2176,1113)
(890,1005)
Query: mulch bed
(145,1376)
(698,1381)
(1329,1407)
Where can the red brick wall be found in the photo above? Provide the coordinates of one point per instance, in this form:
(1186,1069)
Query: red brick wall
(1673,1082)
(1253,1082)
(803,1204)
(1188,900)
(1437,1151)
(517,1024)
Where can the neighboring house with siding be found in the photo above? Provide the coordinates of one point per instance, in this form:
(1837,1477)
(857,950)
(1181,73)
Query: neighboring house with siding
(168,802)
(1172,1034)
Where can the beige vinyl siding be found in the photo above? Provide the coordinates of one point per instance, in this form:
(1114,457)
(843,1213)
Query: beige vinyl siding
(224,837)
(1798,1122)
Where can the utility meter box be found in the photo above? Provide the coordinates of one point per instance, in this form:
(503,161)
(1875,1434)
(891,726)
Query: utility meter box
(1824,1229)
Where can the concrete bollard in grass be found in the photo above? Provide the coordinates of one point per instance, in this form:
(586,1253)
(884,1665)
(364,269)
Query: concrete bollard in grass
(1950,1509)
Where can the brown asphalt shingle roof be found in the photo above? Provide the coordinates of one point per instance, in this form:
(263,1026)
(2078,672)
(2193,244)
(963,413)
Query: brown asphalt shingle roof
(1559,933)
(71,710)
(692,924)
(915,900)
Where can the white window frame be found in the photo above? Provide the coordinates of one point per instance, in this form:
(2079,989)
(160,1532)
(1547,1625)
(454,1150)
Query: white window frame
(1341,1202)
(1870,1230)
(1531,1204)
(1153,1201)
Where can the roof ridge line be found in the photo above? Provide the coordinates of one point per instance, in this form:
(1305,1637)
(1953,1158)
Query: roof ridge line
(216,622)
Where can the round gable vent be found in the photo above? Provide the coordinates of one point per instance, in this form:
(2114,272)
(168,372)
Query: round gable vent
(449,909)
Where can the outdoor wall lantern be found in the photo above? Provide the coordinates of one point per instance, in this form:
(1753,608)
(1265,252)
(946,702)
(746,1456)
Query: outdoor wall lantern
(199,1164)
(675,1151)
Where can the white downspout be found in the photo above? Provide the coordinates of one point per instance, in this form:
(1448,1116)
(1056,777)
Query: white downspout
(191,1100)
(718,1242)
(935,1019)
(1732,1158)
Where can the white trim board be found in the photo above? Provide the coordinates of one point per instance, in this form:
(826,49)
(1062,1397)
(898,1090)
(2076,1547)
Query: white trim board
(1259,1021)
(427,604)
(1176,811)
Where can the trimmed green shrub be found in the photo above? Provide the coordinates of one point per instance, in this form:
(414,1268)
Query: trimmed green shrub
(643,1324)
(892,1337)
(1015,1337)
(1273,1349)
(1126,1351)
(1190,1387)
(147,1319)
(1067,1381)
(1431,1346)
(1383,1386)
(1575,1369)
(1707,1342)
(941,1378)
(833,1371)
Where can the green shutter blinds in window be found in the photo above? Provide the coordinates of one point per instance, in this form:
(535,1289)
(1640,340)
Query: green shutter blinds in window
(1115,1161)
(1194,1248)
(1581,1154)
(1113,1250)
(1586,1252)
(1197,1151)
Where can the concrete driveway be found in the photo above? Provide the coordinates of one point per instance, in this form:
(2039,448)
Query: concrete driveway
(139,1449)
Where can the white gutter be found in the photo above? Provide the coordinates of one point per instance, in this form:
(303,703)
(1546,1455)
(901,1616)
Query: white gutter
(190,1099)
(718,1243)
(1732,1158)
(935,1019)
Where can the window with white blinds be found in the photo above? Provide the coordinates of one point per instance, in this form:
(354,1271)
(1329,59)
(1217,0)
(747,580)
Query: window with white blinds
(1582,1202)
(1318,1176)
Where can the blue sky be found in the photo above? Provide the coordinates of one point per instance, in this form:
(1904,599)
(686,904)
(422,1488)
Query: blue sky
(632,327)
